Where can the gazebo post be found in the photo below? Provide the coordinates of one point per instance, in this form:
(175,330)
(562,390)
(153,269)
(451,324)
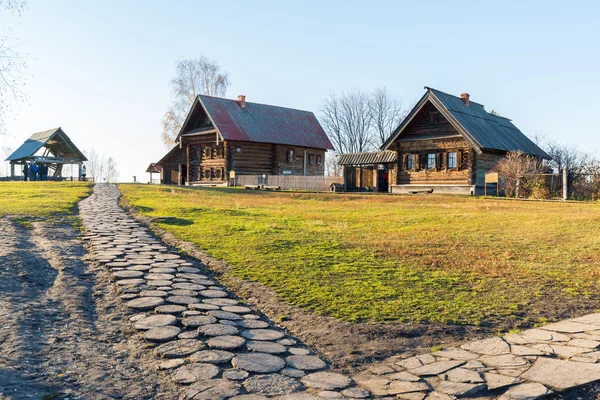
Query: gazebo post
(12,169)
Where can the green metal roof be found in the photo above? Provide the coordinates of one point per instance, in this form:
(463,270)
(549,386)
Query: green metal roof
(486,131)
(55,140)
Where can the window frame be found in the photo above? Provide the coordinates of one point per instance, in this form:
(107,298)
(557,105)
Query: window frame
(431,157)
(291,155)
(319,159)
(449,158)
(410,162)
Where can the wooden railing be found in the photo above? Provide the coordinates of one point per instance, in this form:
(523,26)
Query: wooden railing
(289,182)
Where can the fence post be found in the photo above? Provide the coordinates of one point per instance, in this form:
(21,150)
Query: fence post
(565,184)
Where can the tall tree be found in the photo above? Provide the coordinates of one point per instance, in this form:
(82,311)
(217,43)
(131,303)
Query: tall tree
(347,120)
(386,114)
(12,65)
(111,170)
(193,77)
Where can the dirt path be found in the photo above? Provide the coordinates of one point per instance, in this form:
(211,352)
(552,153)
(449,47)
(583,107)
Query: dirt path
(62,332)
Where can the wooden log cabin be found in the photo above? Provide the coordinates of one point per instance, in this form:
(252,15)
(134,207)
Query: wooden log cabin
(446,144)
(221,138)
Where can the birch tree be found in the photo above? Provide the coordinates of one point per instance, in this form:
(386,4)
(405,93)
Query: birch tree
(193,77)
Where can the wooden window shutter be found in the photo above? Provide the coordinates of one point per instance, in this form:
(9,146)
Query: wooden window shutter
(438,161)
(459,157)
(465,160)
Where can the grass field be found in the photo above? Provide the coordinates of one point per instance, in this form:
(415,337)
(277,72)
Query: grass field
(40,198)
(414,259)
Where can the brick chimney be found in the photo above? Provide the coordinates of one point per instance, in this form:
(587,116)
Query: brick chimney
(242,100)
(465,98)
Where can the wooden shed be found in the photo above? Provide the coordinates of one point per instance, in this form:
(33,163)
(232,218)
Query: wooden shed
(222,137)
(447,144)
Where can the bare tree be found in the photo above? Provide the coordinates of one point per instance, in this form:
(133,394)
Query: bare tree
(386,114)
(518,170)
(95,164)
(193,77)
(347,120)
(12,65)
(111,170)
(332,168)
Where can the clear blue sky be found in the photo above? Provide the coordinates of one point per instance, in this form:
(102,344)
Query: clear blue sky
(101,69)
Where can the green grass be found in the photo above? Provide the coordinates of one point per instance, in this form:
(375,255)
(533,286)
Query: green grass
(40,199)
(391,258)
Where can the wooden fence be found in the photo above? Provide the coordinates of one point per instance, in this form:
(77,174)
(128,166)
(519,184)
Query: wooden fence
(287,182)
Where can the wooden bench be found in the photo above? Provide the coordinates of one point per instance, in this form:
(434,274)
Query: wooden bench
(252,187)
(272,187)
(421,191)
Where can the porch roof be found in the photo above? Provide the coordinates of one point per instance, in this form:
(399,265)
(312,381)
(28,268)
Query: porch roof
(368,158)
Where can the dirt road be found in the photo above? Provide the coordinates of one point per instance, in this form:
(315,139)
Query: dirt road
(62,332)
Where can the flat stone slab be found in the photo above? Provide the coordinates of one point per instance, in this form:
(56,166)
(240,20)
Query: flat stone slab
(569,327)
(213,293)
(463,375)
(459,389)
(154,293)
(258,362)
(226,342)
(305,363)
(162,334)
(236,375)
(158,276)
(188,286)
(131,282)
(265,347)
(191,373)
(504,361)
(221,302)
(170,309)
(252,324)
(274,385)
(182,300)
(262,334)
(183,292)
(202,307)
(198,320)
(355,393)
(225,315)
(217,330)
(496,381)
(179,348)
(237,309)
(561,374)
(326,381)
(456,354)
(492,346)
(127,274)
(155,321)
(212,356)
(536,336)
(526,391)
(436,367)
(145,303)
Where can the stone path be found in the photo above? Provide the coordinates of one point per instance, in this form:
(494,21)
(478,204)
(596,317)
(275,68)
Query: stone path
(217,348)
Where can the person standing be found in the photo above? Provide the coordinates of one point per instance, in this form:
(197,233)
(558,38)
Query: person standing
(31,172)
(36,171)
(25,171)
(82,172)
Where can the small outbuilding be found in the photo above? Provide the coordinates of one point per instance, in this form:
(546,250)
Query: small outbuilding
(52,148)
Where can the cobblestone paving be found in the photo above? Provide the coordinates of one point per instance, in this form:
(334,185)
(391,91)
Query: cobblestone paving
(218,348)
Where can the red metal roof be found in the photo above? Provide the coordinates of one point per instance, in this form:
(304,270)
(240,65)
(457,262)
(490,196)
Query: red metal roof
(264,123)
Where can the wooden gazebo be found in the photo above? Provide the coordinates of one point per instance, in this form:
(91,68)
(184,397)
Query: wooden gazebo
(153,168)
(52,147)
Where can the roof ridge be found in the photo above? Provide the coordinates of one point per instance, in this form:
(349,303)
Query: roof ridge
(253,102)
(456,97)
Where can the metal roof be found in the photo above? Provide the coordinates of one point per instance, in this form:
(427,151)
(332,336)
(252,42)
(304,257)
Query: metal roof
(153,168)
(261,123)
(377,157)
(55,140)
(489,132)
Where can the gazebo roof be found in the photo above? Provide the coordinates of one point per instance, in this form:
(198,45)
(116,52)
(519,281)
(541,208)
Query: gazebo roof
(55,140)
(153,168)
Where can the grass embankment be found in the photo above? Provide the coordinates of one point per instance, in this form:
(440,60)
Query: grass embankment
(39,199)
(418,259)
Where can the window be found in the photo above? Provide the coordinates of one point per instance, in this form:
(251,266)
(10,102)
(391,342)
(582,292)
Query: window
(311,158)
(291,156)
(434,118)
(410,162)
(452,159)
(430,160)
(319,159)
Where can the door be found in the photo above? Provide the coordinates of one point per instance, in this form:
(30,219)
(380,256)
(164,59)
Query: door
(382,179)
